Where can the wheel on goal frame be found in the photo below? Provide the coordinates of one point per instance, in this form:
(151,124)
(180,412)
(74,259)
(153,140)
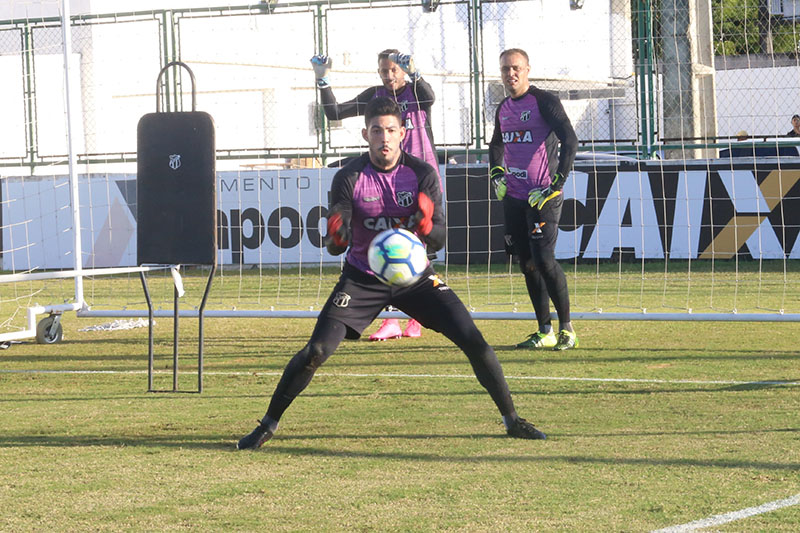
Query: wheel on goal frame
(49,330)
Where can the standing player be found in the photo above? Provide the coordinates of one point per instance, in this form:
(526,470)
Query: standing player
(529,171)
(415,99)
(386,184)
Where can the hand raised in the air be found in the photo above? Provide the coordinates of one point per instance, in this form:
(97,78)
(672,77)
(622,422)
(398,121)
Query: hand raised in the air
(406,62)
(322,66)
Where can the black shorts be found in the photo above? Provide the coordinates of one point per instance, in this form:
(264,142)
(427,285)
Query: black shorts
(532,231)
(358,298)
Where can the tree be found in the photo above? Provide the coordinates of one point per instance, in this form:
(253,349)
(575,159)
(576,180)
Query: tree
(744,27)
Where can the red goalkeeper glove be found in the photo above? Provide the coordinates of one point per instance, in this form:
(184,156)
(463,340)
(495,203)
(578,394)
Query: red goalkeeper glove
(338,233)
(422,220)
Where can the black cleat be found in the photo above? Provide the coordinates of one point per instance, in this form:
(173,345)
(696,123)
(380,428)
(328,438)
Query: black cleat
(255,439)
(522,429)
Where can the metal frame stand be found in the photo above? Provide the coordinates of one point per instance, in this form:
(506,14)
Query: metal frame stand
(175,328)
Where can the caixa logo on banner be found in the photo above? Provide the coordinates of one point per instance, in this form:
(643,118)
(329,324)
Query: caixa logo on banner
(682,211)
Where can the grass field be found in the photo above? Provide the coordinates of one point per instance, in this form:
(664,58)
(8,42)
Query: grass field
(650,425)
(657,286)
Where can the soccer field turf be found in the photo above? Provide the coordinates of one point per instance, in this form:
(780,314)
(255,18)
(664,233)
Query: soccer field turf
(650,425)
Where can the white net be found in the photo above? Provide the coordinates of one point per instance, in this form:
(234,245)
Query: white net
(672,208)
(38,223)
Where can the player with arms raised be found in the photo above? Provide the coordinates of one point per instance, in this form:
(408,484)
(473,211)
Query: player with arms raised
(415,98)
(528,172)
(383,188)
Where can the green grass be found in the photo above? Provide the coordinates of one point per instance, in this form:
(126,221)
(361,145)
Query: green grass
(654,286)
(388,437)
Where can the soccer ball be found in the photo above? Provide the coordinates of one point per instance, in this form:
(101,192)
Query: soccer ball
(397,257)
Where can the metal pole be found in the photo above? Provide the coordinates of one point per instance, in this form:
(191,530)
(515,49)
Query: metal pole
(175,342)
(200,329)
(475,16)
(66,39)
(29,84)
(321,47)
(149,333)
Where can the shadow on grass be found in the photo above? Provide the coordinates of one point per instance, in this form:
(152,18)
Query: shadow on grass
(539,457)
(266,388)
(383,354)
(336,450)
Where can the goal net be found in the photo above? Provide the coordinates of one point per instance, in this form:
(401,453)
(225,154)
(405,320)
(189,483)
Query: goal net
(682,204)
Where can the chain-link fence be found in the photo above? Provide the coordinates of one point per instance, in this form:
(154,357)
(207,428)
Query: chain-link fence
(640,76)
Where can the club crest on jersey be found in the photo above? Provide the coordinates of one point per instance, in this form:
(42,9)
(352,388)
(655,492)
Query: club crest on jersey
(341,299)
(517,137)
(405,198)
(403,106)
(525,116)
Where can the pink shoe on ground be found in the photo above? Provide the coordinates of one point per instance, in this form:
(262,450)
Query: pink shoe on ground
(413,329)
(390,329)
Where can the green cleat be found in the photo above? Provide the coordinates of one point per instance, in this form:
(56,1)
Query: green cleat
(566,340)
(539,340)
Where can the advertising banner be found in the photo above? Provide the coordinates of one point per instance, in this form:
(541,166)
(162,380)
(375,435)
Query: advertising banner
(653,210)
(646,210)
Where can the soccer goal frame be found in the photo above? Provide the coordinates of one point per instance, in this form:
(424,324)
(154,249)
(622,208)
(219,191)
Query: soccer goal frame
(756,216)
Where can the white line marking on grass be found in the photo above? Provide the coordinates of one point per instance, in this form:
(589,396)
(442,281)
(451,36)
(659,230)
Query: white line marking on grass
(39,371)
(422,376)
(720,519)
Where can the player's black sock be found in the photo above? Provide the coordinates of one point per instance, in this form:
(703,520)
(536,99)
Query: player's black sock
(557,288)
(537,292)
(508,420)
(301,368)
(270,422)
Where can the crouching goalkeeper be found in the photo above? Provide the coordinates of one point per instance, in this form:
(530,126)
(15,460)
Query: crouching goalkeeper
(384,188)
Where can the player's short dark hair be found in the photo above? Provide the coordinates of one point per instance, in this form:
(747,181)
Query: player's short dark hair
(386,53)
(795,116)
(519,51)
(382,106)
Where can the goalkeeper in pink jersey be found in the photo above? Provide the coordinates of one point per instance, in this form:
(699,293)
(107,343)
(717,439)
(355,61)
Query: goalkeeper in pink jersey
(368,192)
(530,155)
(403,83)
